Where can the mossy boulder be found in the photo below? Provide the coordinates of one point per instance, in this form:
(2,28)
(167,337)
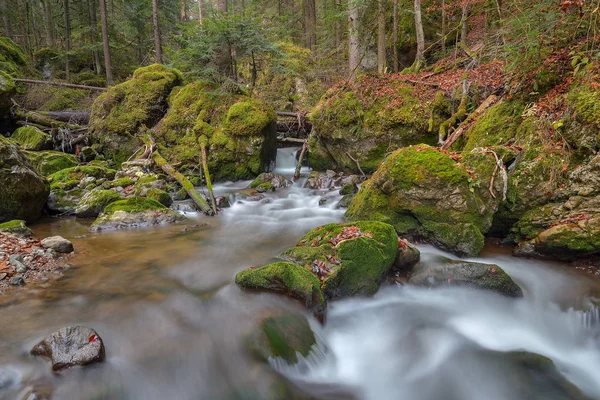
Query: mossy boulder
(425,192)
(159,195)
(12,64)
(23,192)
(128,109)
(282,336)
(134,212)
(351,259)
(48,162)
(16,226)
(65,178)
(443,271)
(289,279)
(239,132)
(370,117)
(276,181)
(32,138)
(94,202)
(70,185)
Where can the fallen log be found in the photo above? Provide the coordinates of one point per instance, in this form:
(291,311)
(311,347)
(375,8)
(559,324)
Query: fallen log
(62,84)
(39,119)
(290,140)
(179,177)
(207,178)
(68,116)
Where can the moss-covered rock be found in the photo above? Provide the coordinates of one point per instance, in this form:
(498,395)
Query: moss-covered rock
(371,117)
(12,63)
(23,192)
(128,109)
(238,132)
(32,138)
(282,336)
(425,192)
(48,162)
(288,279)
(65,178)
(276,181)
(94,202)
(16,226)
(351,259)
(444,271)
(160,196)
(134,212)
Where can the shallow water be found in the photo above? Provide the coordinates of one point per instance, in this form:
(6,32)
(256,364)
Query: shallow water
(173,322)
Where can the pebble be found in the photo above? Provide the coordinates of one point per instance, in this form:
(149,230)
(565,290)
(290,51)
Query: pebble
(16,259)
(3,275)
(19,267)
(17,281)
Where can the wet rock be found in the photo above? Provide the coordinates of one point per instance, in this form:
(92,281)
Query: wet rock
(223,202)
(329,180)
(23,192)
(408,255)
(345,201)
(288,279)
(94,202)
(32,138)
(58,244)
(268,181)
(351,259)
(445,271)
(17,227)
(134,212)
(424,192)
(71,346)
(15,259)
(349,189)
(46,163)
(282,336)
(323,201)
(87,154)
(19,267)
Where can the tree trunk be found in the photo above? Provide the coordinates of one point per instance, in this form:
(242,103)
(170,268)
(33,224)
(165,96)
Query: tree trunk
(310,24)
(395,36)
(444,26)
(105,45)
(353,40)
(5,18)
(49,23)
(420,57)
(200,13)
(381,58)
(182,11)
(157,47)
(94,34)
(337,5)
(222,6)
(67,39)
(207,177)
(463,22)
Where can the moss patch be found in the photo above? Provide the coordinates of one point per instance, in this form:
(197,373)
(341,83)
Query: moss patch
(31,138)
(15,226)
(48,162)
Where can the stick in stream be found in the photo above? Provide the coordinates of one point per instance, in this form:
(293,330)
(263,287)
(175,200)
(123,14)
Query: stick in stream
(207,178)
(183,181)
(299,166)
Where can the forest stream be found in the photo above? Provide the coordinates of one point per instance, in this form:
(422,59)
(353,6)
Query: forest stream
(173,321)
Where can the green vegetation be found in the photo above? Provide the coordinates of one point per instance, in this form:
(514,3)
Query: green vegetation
(48,162)
(16,226)
(31,138)
(94,202)
(133,205)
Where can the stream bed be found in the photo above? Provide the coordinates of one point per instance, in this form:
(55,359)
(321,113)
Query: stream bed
(173,321)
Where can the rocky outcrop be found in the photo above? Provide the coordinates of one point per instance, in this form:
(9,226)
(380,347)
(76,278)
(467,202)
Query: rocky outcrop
(57,243)
(71,346)
(134,212)
(445,272)
(23,192)
(443,198)
(69,186)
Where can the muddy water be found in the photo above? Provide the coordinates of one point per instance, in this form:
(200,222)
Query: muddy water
(164,301)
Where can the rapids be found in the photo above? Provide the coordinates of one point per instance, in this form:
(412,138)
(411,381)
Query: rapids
(173,321)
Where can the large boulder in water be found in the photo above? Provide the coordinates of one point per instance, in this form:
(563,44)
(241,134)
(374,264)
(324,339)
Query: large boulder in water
(134,212)
(23,192)
(127,109)
(366,119)
(71,346)
(69,186)
(443,271)
(441,197)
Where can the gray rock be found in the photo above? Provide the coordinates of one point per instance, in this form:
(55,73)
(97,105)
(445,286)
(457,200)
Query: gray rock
(223,202)
(71,346)
(58,244)
(19,267)
(15,259)
(345,201)
(17,281)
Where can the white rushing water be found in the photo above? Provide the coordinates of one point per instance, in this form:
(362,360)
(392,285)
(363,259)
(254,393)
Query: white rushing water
(174,324)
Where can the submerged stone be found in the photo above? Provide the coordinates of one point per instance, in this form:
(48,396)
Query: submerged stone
(134,212)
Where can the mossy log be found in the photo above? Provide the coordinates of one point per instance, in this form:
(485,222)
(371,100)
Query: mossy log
(61,84)
(43,120)
(207,177)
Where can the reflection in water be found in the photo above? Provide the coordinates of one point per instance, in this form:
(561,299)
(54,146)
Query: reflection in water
(173,322)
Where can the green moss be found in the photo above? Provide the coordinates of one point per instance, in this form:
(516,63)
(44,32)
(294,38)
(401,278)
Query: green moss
(160,196)
(282,336)
(497,126)
(122,182)
(348,188)
(94,202)
(80,172)
(146,179)
(62,99)
(48,162)
(31,138)
(586,102)
(12,57)
(134,205)
(248,118)
(15,226)
(286,278)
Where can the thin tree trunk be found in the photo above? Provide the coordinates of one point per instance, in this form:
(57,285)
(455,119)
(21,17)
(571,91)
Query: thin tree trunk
(381,58)
(105,45)
(49,23)
(444,26)
(464,22)
(310,24)
(157,46)
(420,57)
(200,14)
(337,25)
(67,39)
(353,39)
(37,35)
(222,6)
(395,36)
(94,34)
(207,177)
(5,18)
(182,11)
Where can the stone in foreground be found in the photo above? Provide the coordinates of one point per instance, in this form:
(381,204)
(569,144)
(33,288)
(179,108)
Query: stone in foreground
(71,346)
(134,212)
(58,244)
(463,273)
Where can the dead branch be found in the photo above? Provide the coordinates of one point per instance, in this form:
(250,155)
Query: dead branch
(357,164)
(62,84)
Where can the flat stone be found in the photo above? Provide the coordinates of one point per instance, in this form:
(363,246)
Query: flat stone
(16,259)
(58,244)
(19,268)
(71,346)
(17,281)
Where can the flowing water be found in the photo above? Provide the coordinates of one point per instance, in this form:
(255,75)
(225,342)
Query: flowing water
(173,322)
